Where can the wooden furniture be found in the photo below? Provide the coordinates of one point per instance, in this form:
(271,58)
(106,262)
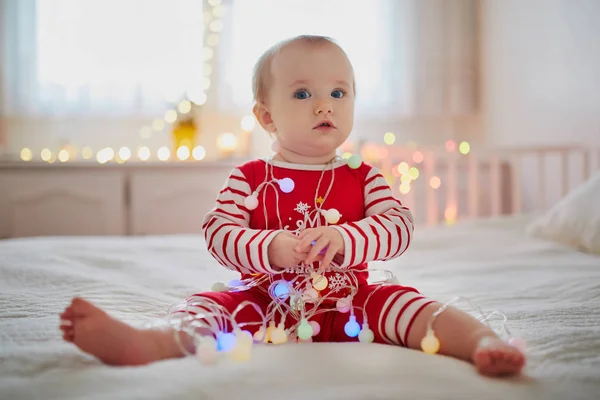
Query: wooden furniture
(41,199)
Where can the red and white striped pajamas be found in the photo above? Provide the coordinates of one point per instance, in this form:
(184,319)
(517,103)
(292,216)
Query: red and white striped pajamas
(374,225)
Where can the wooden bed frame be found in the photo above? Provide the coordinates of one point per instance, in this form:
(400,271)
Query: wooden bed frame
(482,183)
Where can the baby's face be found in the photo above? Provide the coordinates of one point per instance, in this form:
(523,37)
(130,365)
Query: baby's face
(311,85)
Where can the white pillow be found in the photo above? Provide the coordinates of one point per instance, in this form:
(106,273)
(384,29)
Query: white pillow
(575,220)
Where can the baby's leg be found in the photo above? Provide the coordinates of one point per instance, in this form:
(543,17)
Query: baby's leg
(462,336)
(399,315)
(116,343)
(112,341)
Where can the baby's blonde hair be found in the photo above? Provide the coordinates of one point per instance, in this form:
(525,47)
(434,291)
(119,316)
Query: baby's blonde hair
(262,68)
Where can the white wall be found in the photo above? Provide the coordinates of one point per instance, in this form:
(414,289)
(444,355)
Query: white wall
(541,71)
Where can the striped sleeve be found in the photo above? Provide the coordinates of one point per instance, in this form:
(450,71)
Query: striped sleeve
(228,236)
(386,230)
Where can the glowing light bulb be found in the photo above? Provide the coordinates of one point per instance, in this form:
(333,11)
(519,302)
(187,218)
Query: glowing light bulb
(260,335)
(124,153)
(235,283)
(343,305)
(278,335)
(319,282)
(435,182)
(418,157)
(403,168)
(251,202)
(26,154)
(227,141)
(183,153)
(206,350)
(243,337)
(63,155)
(366,335)
(352,328)
(450,146)
(316,327)
(170,116)
(332,215)
(248,123)
(198,153)
(389,138)
(286,185)
(413,172)
(163,153)
(216,25)
(185,106)
(404,188)
(430,344)
(354,162)
(243,346)
(218,287)
(282,291)
(87,153)
(464,148)
(144,153)
(226,341)
(305,330)
(46,154)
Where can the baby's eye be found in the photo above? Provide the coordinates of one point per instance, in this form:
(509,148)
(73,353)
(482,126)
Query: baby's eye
(302,94)
(337,94)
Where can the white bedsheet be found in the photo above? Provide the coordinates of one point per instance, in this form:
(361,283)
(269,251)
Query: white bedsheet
(551,295)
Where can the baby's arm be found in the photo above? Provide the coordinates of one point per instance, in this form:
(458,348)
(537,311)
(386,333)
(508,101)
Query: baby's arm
(229,238)
(386,230)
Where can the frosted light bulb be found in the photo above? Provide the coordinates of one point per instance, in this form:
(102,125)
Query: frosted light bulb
(286,185)
(305,330)
(354,162)
(366,335)
(316,327)
(343,305)
(218,287)
(430,344)
(332,215)
(352,328)
(251,202)
(319,282)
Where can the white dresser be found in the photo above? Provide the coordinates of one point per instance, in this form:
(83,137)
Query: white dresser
(111,199)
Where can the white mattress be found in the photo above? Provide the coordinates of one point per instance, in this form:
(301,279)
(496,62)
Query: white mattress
(551,295)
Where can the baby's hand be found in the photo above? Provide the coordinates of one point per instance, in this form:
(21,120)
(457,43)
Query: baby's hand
(323,239)
(282,251)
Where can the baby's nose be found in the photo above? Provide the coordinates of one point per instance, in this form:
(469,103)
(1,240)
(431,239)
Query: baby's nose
(323,107)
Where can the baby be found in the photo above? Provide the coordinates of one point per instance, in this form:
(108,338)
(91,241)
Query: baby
(304,212)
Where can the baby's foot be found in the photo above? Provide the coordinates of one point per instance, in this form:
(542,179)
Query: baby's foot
(493,357)
(111,341)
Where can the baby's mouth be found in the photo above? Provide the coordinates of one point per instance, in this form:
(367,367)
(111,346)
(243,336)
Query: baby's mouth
(324,125)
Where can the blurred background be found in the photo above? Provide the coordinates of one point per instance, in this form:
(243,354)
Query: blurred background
(157,84)
(86,75)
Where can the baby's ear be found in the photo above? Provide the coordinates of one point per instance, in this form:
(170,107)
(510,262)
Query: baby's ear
(264,118)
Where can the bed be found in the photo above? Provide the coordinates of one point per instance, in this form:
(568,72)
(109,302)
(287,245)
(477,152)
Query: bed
(550,293)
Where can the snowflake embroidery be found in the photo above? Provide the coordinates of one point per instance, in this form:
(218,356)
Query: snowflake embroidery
(302,208)
(338,282)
